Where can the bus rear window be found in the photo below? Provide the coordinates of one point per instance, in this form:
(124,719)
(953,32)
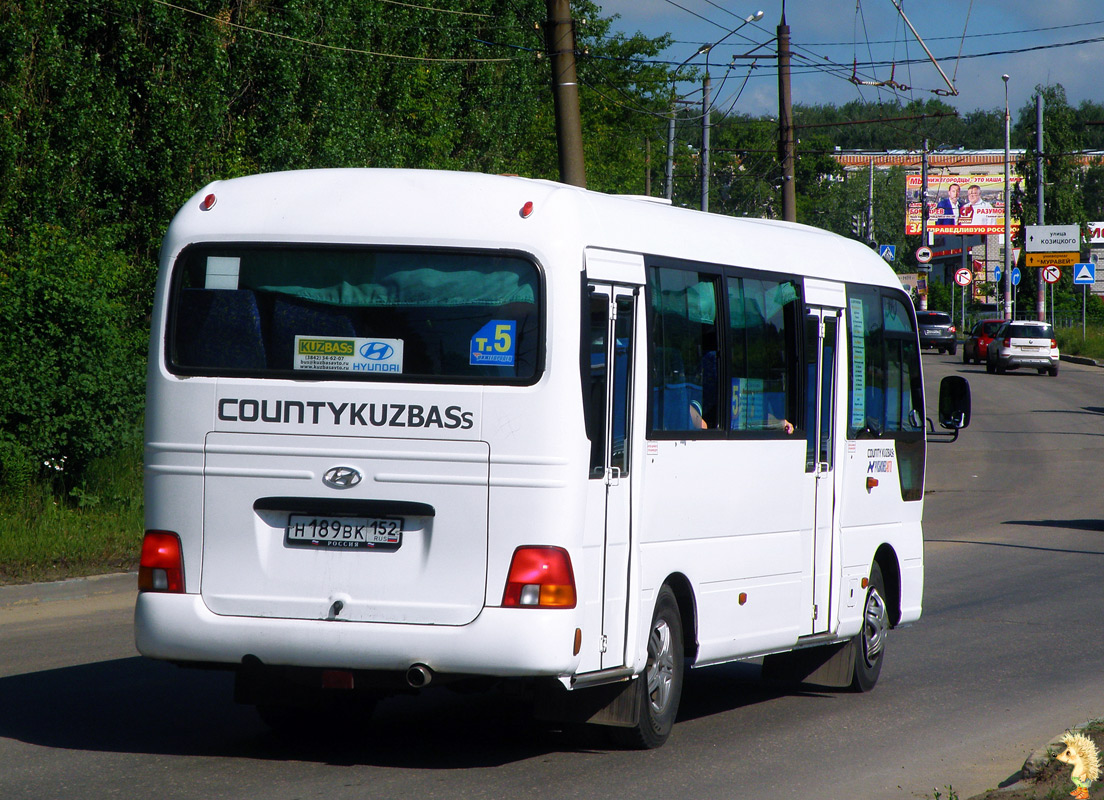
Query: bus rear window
(354,314)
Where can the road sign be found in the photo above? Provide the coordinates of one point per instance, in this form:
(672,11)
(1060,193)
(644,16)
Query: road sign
(1055,259)
(1084,273)
(1015,276)
(1051,274)
(963,277)
(923,254)
(1052,238)
(888,251)
(997,274)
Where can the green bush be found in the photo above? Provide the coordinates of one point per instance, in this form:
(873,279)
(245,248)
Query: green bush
(70,354)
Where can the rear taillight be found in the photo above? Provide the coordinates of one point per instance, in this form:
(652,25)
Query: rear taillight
(1053,342)
(952,329)
(1007,342)
(540,577)
(162,566)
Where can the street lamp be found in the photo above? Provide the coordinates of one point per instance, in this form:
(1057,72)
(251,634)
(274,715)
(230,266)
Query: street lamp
(704,50)
(758,15)
(1006,278)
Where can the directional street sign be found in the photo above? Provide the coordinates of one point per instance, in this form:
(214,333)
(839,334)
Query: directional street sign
(888,251)
(997,274)
(1051,274)
(1053,238)
(963,277)
(1056,259)
(923,254)
(1084,273)
(1015,276)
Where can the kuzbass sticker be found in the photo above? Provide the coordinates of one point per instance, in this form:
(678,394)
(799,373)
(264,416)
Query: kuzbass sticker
(495,344)
(339,354)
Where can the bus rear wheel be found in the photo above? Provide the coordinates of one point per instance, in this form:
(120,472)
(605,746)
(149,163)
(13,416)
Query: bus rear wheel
(659,688)
(870,643)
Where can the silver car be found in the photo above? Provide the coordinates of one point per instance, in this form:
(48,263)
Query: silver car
(1023,343)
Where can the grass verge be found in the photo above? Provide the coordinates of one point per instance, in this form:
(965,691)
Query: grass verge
(50,533)
(1071,343)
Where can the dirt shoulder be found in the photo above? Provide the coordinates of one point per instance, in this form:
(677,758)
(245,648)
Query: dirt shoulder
(1045,777)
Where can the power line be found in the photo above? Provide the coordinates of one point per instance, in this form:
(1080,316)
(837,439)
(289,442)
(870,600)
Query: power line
(323,46)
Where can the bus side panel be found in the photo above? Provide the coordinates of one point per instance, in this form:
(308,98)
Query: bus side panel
(733,517)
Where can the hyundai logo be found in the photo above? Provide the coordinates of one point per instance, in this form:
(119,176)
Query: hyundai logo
(341,478)
(377,351)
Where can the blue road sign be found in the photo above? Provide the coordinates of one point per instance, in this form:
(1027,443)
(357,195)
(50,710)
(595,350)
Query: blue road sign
(997,274)
(1084,273)
(1015,276)
(888,251)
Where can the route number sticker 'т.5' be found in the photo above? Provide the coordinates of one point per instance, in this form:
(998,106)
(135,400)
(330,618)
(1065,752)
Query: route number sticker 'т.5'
(495,344)
(339,354)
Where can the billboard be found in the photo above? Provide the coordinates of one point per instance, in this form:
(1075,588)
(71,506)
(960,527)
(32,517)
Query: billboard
(958,205)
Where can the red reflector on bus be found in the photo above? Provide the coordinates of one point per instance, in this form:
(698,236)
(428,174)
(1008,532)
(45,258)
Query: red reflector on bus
(208,203)
(161,568)
(540,577)
(527,209)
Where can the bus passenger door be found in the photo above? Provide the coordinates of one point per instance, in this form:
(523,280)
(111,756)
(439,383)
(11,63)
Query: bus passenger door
(821,339)
(612,319)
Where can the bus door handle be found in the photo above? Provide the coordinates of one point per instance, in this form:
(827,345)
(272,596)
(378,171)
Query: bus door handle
(613,476)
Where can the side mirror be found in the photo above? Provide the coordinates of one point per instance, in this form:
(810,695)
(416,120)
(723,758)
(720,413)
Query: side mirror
(954,403)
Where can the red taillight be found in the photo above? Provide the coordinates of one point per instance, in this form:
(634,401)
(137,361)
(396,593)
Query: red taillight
(162,566)
(540,577)
(952,329)
(1007,342)
(1053,342)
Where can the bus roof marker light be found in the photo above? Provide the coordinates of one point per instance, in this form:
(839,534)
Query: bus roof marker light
(208,203)
(527,209)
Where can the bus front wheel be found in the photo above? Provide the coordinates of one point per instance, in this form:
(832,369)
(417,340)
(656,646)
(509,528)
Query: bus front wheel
(659,687)
(870,643)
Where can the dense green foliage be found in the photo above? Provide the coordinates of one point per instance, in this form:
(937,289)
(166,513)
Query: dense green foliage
(113,113)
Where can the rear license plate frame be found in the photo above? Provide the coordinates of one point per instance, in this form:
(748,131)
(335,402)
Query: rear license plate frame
(343,532)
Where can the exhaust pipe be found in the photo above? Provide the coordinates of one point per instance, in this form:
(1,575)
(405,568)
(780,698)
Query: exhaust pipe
(419,676)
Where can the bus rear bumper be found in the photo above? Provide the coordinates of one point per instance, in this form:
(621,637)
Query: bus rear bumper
(505,642)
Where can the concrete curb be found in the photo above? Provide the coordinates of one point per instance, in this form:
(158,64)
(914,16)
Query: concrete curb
(26,594)
(1081,360)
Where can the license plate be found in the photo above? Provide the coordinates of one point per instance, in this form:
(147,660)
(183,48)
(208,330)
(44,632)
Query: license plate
(931,332)
(343,533)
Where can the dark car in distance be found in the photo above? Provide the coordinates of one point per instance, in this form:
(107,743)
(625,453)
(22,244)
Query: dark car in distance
(976,346)
(937,330)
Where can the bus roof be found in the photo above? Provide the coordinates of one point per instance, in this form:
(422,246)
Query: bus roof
(462,209)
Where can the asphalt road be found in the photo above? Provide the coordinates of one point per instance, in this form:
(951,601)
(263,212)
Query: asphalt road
(1009,652)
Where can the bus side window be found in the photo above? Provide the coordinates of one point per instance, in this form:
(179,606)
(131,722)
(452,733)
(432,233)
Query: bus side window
(766,331)
(683,383)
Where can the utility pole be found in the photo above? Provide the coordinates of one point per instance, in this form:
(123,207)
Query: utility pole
(560,42)
(870,205)
(785,122)
(1040,302)
(705,139)
(1006,276)
(669,191)
(924,221)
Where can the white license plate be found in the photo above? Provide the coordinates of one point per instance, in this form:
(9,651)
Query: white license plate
(343,533)
(931,332)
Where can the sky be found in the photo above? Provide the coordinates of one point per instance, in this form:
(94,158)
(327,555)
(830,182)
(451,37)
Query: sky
(974,42)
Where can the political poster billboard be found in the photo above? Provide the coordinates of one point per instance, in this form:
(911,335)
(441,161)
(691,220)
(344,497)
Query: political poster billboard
(958,205)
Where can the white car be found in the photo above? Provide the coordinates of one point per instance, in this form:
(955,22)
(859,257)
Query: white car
(1023,343)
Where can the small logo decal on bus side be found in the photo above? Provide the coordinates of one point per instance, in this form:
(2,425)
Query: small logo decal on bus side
(341,478)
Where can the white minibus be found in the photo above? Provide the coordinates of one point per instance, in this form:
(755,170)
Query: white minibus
(414,427)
